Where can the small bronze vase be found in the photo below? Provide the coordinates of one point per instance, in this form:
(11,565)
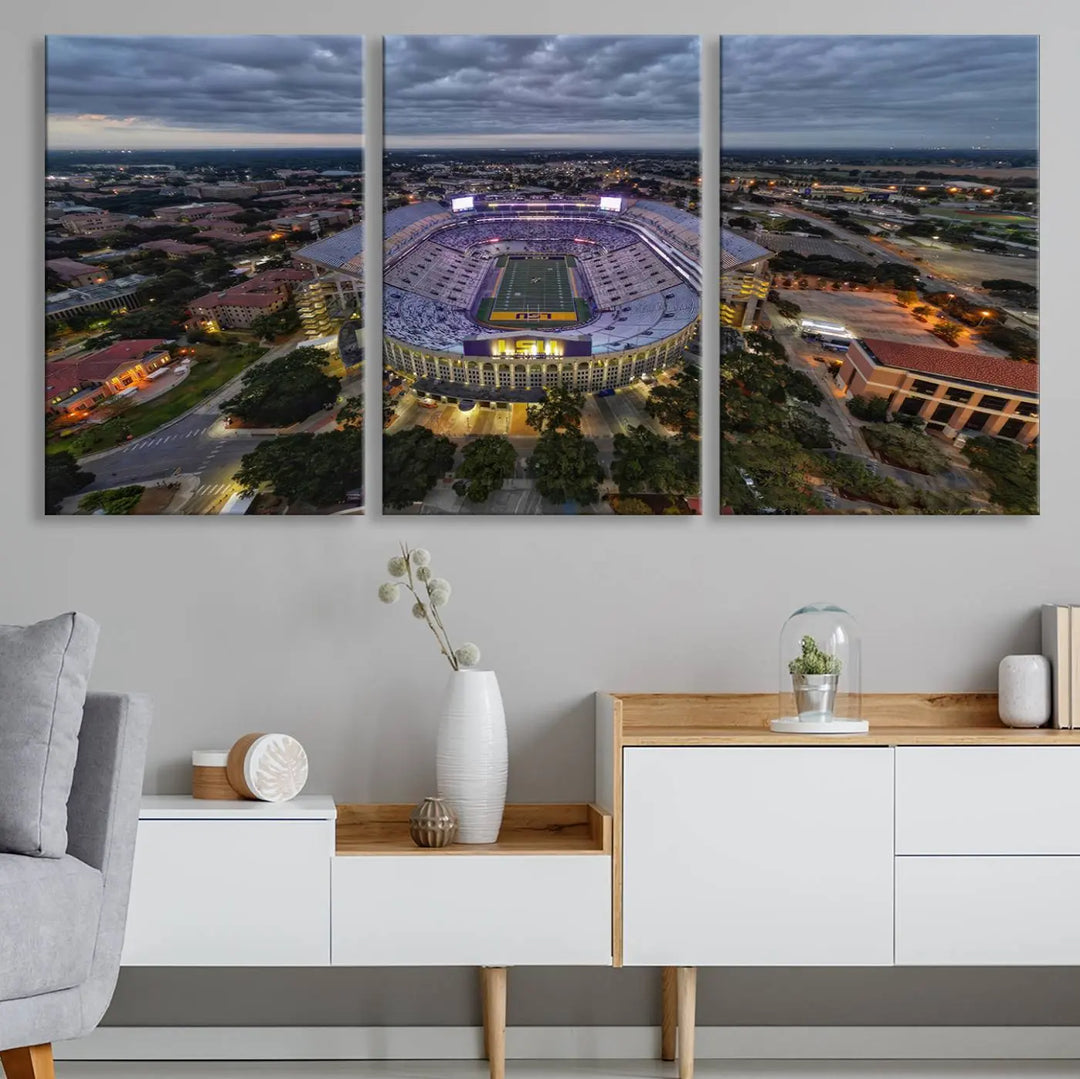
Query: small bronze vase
(432,824)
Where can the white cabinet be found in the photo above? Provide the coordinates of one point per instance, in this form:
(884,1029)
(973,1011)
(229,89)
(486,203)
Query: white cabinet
(472,910)
(966,800)
(989,911)
(757,856)
(236,884)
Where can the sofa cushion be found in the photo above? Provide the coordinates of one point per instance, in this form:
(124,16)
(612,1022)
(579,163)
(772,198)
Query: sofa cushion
(51,909)
(44,669)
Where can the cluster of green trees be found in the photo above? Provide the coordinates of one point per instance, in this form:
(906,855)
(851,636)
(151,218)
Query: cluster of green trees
(279,324)
(307,469)
(285,390)
(885,274)
(564,464)
(906,447)
(63,478)
(772,440)
(1011,471)
(117,501)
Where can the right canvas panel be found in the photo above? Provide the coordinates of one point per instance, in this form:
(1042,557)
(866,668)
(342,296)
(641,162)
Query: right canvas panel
(879,275)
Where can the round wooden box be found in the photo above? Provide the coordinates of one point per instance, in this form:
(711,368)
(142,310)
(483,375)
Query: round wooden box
(267,767)
(209,775)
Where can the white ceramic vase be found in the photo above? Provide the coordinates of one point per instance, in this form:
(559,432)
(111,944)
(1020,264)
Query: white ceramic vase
(470,760)
(1024,691)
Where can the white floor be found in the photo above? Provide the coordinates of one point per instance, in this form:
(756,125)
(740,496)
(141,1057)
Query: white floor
(620,1069)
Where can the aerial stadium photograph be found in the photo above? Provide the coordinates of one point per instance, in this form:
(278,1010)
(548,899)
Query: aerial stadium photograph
(880,302)
(541,275)
(201,348)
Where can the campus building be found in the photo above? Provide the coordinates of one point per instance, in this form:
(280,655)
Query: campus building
(954,392)
(78,383)
(237,307)
(744,279)
(121,294)
(77,274)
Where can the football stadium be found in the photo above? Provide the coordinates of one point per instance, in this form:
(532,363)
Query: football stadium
(495,298)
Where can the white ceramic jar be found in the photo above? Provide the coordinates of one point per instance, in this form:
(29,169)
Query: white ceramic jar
(1024,691)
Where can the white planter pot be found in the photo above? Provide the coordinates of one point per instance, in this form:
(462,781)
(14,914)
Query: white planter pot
(470,761)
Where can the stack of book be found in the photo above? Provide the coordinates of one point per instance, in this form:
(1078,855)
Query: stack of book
(1061,645)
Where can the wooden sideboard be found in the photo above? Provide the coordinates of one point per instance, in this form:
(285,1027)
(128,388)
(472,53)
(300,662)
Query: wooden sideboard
(309,883)
(736,846)
(940,838)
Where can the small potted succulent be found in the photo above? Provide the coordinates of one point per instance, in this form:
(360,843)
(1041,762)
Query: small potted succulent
(814,677)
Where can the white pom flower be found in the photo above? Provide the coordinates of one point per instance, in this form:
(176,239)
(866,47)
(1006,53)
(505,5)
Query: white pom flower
(388,592)
(418,610)
(420,557)
(440,597)
(468,655)
(396,566)
(439,584)
(423,573)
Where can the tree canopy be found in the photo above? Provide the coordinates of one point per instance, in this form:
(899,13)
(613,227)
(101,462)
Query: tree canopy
(645,462)
(559,411)
(413,462)
(487,462)
(677,405)
(317,470)
(285,390)
(63,478)
(566,467)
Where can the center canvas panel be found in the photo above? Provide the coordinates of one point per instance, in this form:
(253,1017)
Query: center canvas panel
(541,275)
(203,275)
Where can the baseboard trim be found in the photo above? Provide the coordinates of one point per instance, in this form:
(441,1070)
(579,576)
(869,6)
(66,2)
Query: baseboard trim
(573,1043)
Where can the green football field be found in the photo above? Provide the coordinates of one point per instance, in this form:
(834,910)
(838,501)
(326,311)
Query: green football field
(530,285)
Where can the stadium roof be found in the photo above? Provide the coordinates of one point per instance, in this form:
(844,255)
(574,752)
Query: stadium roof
(736,250)
(682,218)
(404,216)
(342,251)
(962,366)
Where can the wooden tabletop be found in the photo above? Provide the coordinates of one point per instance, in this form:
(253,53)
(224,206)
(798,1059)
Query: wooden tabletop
(556,828)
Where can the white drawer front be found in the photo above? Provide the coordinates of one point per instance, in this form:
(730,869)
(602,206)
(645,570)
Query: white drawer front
(987,799)
(749,856)
(230,893)
(987,911)
(472,910)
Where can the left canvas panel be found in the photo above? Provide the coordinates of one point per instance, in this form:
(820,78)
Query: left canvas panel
(204,275)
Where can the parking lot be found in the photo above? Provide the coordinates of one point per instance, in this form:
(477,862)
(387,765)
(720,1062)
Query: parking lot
(869,314)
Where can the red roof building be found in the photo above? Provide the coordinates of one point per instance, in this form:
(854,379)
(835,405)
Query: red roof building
(954,392)
(237,307)
(80,382)
(77,274)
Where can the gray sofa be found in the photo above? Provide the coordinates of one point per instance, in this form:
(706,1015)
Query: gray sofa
(62,924)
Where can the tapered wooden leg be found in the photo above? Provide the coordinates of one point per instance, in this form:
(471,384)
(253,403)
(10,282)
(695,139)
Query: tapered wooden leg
(484,1010)
(495,1020)
(668,1013)
(686,979)
(31,1062)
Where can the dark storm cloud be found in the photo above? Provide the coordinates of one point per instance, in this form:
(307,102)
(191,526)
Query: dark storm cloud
(258,84)
(904,91)
(626,89)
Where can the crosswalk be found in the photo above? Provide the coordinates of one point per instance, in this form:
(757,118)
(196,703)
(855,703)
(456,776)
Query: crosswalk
(211,489)
(160,440)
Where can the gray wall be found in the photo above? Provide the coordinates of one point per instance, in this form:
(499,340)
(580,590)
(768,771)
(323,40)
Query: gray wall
(272,624)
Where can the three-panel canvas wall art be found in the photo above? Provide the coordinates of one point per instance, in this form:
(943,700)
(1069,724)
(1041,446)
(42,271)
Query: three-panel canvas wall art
(546,316)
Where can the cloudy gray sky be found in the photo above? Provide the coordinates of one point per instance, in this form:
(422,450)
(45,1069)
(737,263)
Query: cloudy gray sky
(902,91)
(517,91)
(179,92)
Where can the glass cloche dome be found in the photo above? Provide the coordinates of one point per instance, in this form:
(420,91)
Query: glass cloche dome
(820,673)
